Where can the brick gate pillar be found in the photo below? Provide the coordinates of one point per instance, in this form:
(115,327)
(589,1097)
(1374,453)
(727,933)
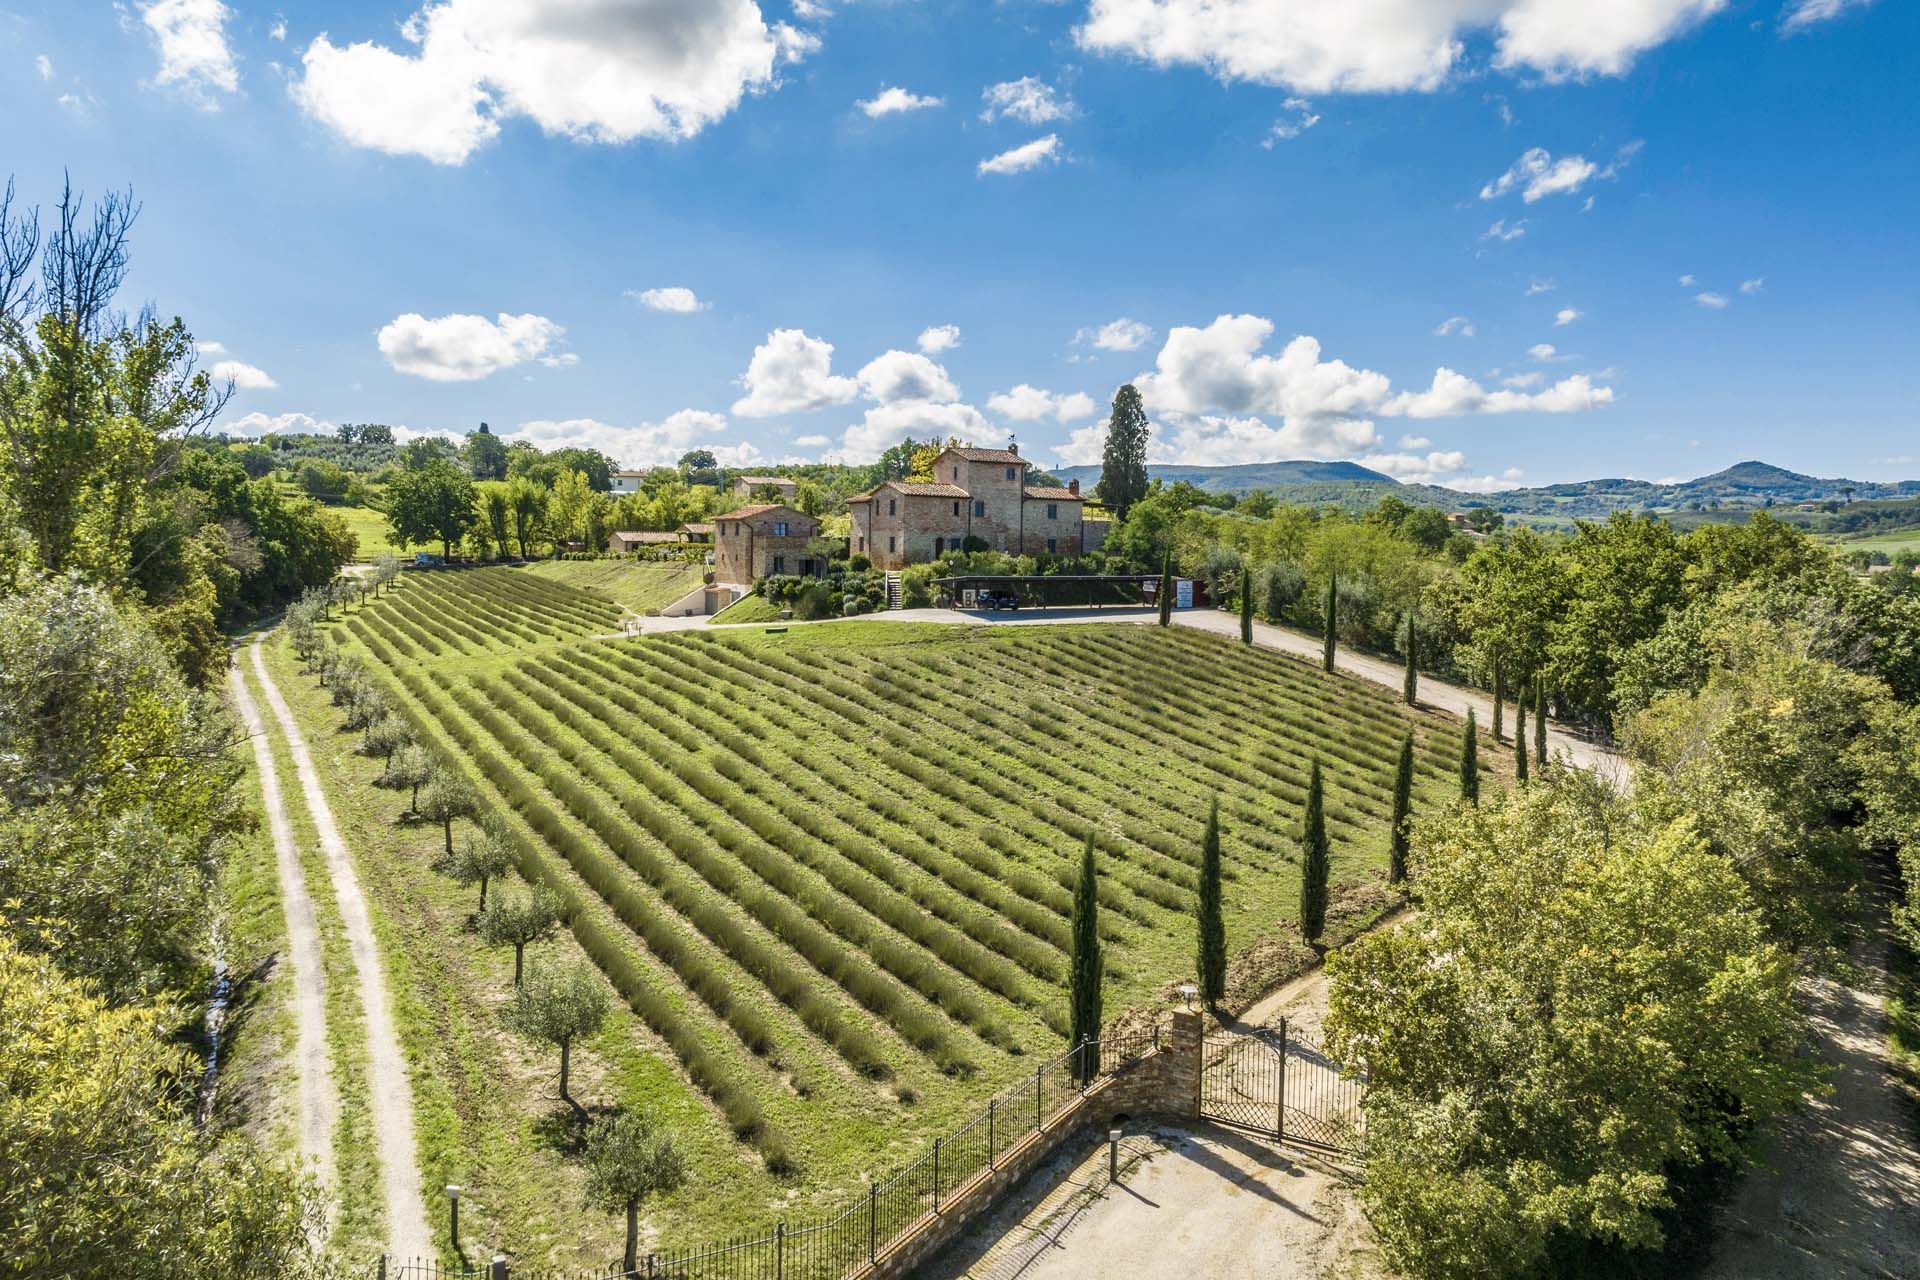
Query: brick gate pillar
(1184,1050)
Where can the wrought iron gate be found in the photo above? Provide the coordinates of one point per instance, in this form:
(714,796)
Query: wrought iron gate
(1280,1083)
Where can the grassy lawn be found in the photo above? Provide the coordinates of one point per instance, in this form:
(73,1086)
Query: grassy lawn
(831,945)
(370,527)
(1892,543)
(748,609)
(644,587)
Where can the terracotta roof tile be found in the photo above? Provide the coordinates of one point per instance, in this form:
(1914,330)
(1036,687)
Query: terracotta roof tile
(990,455)
(757,509)
(1054,495)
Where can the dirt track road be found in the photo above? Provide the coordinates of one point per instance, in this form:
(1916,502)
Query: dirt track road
(319,1105)
(390,1094)
(1838,1192)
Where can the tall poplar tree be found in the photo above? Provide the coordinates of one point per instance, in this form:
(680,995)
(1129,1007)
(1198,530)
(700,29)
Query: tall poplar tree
(1332,618)
(1402,810)
(1314,868)
(1246,605)
(1212,961)
(1470,762)
(1123,463)
(1166,591)
(1083,968)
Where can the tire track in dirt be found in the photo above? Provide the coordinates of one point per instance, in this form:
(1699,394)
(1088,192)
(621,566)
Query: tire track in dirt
(319,1104)
(390,1094)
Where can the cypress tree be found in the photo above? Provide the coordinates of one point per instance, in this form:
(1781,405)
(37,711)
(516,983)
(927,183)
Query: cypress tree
(1412,684)
(1123,461)
(1520,735)
(1403,806)
(1213,925)
(1333,616)
(1314,867)
(1083,968)
(1246,605)
(1499,697)
(1540,721)
(1470,762)
(1166,590)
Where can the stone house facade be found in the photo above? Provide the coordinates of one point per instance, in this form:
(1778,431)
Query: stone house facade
(975,493)
(744,486)
(762,540)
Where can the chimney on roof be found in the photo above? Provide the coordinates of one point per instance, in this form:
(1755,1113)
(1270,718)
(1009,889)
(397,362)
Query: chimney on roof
(1013,447)
(1073,487)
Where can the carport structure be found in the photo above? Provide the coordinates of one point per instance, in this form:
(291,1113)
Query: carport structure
(1060,590)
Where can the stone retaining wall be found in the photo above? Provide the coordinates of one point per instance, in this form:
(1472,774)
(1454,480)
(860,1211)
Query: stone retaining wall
(1165,1082)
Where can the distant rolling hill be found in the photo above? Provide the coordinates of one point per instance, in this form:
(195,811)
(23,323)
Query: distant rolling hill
(1246,476)
(1741,486)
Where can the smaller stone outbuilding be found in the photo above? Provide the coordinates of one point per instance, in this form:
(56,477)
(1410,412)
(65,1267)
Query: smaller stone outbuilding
(697,531)
(764,540)
(747,486)
(633,541)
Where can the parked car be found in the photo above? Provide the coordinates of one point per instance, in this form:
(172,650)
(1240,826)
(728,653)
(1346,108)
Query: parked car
(999,600)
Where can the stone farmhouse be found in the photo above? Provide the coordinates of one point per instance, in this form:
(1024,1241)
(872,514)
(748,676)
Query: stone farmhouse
(744,486)
(762,540)
(975,493)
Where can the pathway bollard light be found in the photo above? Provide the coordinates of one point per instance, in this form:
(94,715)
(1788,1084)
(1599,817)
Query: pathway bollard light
(1113,1156)
(453,1214)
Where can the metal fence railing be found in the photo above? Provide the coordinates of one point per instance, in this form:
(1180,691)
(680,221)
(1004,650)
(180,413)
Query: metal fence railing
(840,1243)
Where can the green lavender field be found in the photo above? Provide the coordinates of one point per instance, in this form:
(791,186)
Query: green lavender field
(828,870)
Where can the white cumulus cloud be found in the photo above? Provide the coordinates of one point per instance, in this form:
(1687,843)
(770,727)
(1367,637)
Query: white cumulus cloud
(1565,316)
(44,65)
(937,338)
(254,425)
(1372,46)
(1026,403)
(1711,300)
(1453,394)
(1537,175)
(191,38)
(591,70)
(1027,156)
(905,375)
(244,376)
(1454,325)
(646,444)
(464,348)
(894,100)
(1123,334)
(1502,230)
(1753,286)
(812,442)
(791,373)
(1027,100)
(885,425)
(673,297)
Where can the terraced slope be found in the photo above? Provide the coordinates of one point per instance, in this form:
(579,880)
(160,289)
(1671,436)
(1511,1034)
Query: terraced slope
(830,869)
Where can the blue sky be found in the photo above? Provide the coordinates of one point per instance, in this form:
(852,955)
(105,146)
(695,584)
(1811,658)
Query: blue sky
(1669,235)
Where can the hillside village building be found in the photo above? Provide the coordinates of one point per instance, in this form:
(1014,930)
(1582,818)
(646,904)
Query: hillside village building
(746,486)
(975,493)
(763,540)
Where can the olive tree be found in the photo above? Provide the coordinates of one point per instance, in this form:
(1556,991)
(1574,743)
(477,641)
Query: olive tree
(558,1006)
(629,1160)
(515,920)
